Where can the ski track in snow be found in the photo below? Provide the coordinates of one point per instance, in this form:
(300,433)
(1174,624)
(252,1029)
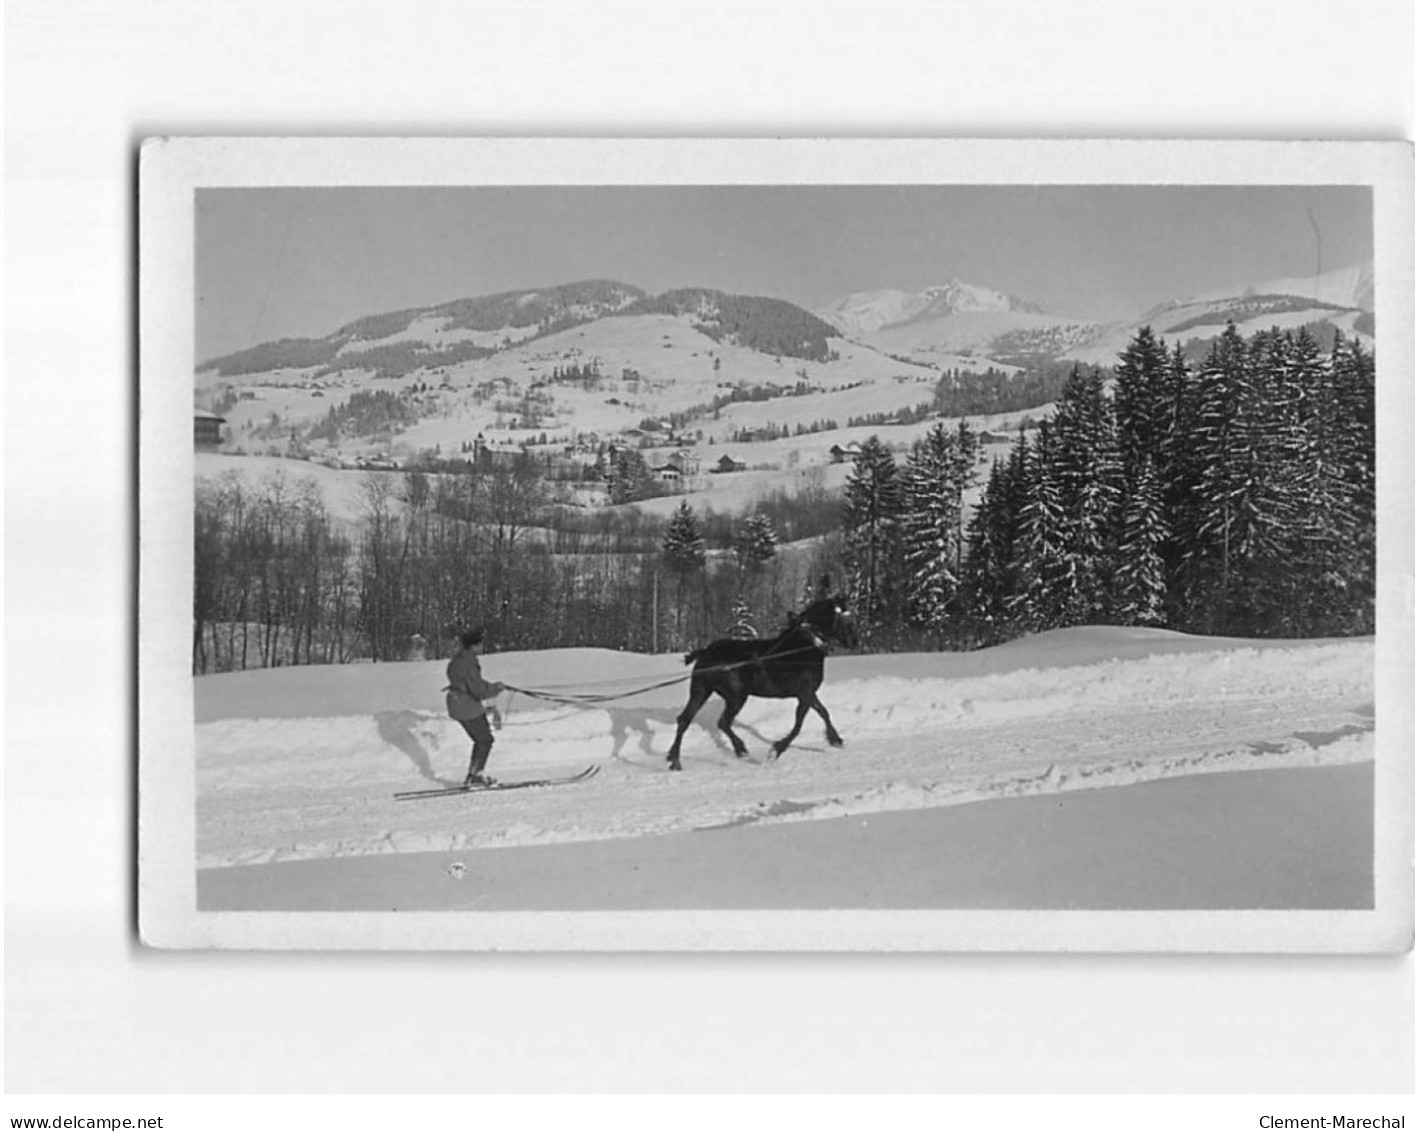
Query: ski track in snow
(285,788)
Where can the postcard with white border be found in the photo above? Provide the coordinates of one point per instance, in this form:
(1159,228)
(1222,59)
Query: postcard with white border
(776,545)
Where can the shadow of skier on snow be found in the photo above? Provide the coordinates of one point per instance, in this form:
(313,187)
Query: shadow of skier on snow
(397,729)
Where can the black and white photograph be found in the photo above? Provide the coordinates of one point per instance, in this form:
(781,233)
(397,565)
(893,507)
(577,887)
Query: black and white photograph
(781,547)
(552,395)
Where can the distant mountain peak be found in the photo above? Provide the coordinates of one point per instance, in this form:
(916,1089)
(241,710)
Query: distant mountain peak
(868,311)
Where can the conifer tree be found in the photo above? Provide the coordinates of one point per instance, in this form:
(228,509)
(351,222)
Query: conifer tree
(873,502)
(940,468)
(1140,417)
(989,562)
(1239,512)
(1086,466)
(1140,584)
(755,543)
(1174,464)
(1283,492)
(742,627)
(684,551)
(1205,516)
(1302,465)
(1048,593)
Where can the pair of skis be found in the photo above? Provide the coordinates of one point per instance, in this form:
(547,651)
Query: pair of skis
(533,783)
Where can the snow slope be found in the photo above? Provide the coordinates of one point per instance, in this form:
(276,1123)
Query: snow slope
(1337,297)
(1175,324)
(868,311)
(302,763)
(983,334)
(1351,286)
(343,492)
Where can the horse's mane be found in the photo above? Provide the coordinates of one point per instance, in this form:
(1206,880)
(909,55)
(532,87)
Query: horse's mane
(732,650)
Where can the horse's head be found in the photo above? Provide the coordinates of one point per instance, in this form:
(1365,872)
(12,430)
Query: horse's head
(830,618)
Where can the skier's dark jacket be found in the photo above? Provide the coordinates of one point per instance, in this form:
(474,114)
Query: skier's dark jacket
(466,688)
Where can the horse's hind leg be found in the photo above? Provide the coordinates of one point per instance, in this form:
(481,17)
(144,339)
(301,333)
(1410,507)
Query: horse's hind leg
(697,695)
(831,734)
(802,706)
(724,724)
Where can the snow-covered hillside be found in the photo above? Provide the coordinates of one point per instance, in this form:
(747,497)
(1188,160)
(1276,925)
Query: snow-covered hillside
(996,338)
(1353,287)
(343,493)
(302,763)
(666,380)
(650,366)
(1341,299)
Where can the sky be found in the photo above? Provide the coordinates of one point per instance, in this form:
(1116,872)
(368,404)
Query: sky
(275,263)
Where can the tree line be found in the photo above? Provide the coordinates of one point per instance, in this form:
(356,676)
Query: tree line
(279,580)
(1235,496)
(961,393)
(767,325)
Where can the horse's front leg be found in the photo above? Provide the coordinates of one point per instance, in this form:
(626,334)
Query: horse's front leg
(697,696)
(802,706)
(831,734)
(724,724)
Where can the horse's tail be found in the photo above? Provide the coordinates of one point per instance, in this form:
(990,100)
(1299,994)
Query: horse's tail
(693,657)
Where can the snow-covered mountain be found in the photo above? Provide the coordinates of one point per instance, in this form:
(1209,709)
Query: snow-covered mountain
(866,312)
(958,319)
(1341,299)
(572,368)
(965,319)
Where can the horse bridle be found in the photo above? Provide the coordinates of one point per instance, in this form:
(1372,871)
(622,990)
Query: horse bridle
(816,638)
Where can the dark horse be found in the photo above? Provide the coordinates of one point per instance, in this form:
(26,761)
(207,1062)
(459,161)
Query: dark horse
(789,666)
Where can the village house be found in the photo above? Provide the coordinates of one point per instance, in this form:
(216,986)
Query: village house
(686,461)
(487,454)
(838,454)
(727,463)
(208,429)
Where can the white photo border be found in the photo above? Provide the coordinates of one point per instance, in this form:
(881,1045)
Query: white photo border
(172,169)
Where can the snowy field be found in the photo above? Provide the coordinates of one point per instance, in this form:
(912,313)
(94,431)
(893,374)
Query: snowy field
(301,764)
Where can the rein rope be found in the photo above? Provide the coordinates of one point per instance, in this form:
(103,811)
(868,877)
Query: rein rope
(590,698)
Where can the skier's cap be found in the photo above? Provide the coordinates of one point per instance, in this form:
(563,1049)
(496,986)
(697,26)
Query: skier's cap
(471,635)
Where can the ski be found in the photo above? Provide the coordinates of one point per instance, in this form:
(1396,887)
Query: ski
(530,783)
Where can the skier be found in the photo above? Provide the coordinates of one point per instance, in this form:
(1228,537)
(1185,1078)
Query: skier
(465,691)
